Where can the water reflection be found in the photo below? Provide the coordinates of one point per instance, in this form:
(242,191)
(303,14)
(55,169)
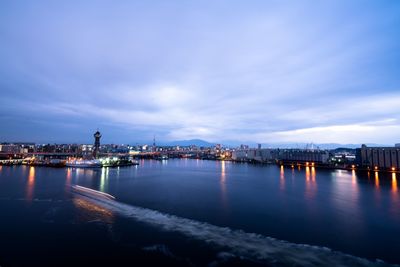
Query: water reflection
(354,184)
(30,184)
(88,211)
(104,178)
(394,183)
(69,177)
(377,180)
(311,185)
(395,207)
(282,178)
(24,170)
(223,184)
(353,178)
(346,196)
(313,174)
(78,173)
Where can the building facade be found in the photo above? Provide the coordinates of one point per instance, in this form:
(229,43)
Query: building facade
(383,158)
(304,155)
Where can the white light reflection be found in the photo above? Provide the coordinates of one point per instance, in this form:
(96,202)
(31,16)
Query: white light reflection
(104,178)
(222,182)
(346,198)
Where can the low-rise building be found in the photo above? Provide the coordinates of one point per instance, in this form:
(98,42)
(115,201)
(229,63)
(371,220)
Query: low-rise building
(259,155)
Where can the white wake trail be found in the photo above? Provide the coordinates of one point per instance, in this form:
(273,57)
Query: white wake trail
(240,243)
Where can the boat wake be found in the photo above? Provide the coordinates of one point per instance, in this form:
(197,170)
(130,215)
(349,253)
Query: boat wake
(249,245)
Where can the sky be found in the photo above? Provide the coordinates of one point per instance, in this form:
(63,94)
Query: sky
(221,71)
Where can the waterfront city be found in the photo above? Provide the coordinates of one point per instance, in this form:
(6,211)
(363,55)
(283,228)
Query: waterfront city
(377,159)
(200,133)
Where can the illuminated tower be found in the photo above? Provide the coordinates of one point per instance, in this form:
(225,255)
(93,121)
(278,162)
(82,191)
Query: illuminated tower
(96,148)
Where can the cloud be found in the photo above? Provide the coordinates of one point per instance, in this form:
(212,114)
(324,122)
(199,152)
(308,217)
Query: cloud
(267,72)
(345,134)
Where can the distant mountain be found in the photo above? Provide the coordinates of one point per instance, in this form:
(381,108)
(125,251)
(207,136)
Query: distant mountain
(196,142)
(321,146)
(299,145)
(234,144)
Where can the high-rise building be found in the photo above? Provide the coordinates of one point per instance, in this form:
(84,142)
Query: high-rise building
(96,149)
(154,148)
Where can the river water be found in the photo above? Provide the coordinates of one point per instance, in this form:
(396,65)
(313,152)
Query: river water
(186,212)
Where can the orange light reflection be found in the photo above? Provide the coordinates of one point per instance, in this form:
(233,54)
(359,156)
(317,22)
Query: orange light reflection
(89,211)
(311,186)
(307,173)
(31,184)
(353,177)
(376,179)
(282,178)
(394,183)
(313,174)
(69,175)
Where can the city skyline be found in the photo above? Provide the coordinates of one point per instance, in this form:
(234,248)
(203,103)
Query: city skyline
(263,72)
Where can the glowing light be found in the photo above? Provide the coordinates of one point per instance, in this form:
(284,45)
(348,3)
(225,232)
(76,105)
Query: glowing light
(376,167)
(312,164)
(307,163)
(393,169)
(353,166)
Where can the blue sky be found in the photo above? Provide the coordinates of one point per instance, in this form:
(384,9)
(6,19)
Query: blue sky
(259,71)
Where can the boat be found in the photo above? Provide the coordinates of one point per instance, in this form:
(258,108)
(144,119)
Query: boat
(84,163)
(117,162)
(88,192)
